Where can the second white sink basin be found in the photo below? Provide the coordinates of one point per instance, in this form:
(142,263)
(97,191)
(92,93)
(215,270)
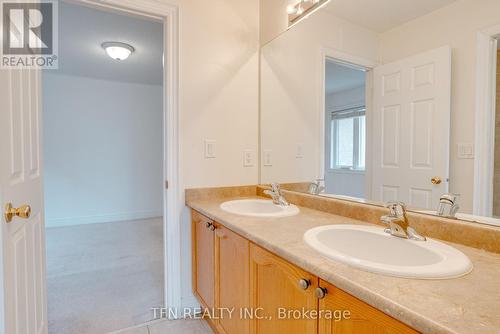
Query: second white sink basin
(371,249)
(259,208)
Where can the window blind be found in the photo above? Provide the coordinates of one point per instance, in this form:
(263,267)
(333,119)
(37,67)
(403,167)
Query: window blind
(348,113)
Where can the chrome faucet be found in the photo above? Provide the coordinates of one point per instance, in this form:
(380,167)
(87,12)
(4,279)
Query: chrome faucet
(398,222)
(448,206)
(276,195)
(315,187)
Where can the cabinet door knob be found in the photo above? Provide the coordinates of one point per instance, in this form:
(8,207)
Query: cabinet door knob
(320,293)
(212,227)
(208,224)
(304,283)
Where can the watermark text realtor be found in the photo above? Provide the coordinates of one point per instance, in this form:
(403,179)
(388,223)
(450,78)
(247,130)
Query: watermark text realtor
(29,34)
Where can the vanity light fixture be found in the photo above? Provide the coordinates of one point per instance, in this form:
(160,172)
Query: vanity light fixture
(302,10)
(118,50)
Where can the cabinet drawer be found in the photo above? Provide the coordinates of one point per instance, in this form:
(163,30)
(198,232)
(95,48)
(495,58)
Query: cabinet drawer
(363,318)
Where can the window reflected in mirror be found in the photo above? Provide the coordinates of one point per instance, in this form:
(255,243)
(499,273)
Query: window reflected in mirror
(345,129)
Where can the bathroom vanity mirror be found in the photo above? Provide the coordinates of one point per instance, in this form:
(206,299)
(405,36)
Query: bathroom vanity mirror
(378,104)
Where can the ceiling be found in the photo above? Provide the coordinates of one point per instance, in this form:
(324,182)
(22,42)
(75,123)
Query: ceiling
(339,78)
(383,15)
(83,29)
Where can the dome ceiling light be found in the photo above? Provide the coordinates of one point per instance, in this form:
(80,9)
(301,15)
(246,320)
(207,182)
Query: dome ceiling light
(118,50)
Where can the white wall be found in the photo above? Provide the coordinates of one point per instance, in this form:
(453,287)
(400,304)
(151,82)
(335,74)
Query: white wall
(291,107)
(348,183)
(102,150)
(218,90)
(455,25)
(219,80)
(273,18)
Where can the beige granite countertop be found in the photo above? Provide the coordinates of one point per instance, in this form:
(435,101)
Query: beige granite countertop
(470,304)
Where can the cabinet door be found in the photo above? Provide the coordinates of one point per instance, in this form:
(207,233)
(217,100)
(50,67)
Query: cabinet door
(231,280)
(274,287)
(203,259)
(363,319)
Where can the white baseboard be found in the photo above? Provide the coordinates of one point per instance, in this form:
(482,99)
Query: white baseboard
(99,219)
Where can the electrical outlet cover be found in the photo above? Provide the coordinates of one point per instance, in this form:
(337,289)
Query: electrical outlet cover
(248,158)
(268,158)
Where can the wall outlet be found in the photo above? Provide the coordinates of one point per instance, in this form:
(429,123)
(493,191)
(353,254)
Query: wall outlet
(465,151)
(267,158)
(210,149)
(300,151)
(248,158)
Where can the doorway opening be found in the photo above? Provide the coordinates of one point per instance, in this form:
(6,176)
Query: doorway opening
(345,129)
(104,170)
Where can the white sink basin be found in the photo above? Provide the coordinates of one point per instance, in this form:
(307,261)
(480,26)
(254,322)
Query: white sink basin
(259,208)
(371,249)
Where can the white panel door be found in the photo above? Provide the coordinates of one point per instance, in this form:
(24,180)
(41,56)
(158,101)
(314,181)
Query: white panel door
(23,298)
(411,129)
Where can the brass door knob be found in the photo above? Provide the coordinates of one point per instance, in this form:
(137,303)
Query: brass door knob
(320,293)
(436,180)
(24,211)
(304,284)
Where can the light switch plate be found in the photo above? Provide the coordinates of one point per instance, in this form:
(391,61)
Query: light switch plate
(465,151)
(210,149)
(268,158)
(248,158)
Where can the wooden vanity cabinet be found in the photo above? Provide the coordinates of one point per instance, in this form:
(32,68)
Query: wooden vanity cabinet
(274,284)
(231,272)
(363,319)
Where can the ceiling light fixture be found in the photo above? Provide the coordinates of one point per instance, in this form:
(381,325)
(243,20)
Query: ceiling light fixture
(117,50)
(302,9)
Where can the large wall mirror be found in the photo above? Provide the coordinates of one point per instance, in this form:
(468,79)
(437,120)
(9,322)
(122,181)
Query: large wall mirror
(383,100)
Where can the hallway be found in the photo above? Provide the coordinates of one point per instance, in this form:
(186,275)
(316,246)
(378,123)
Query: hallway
(104,277)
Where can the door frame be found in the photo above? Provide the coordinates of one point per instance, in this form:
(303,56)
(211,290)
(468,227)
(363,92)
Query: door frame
(359,63)
(484,157)
(168,14)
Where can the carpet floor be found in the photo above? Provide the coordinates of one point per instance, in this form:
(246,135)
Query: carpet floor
(104,277)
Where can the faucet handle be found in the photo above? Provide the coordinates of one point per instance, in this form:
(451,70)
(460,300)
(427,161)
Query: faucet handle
(275,187)
(396,208)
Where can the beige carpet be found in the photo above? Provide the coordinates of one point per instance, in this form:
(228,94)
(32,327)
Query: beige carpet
(104,277)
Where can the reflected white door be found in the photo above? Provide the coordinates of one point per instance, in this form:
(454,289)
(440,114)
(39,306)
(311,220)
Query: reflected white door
(23,306)
(411,129)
